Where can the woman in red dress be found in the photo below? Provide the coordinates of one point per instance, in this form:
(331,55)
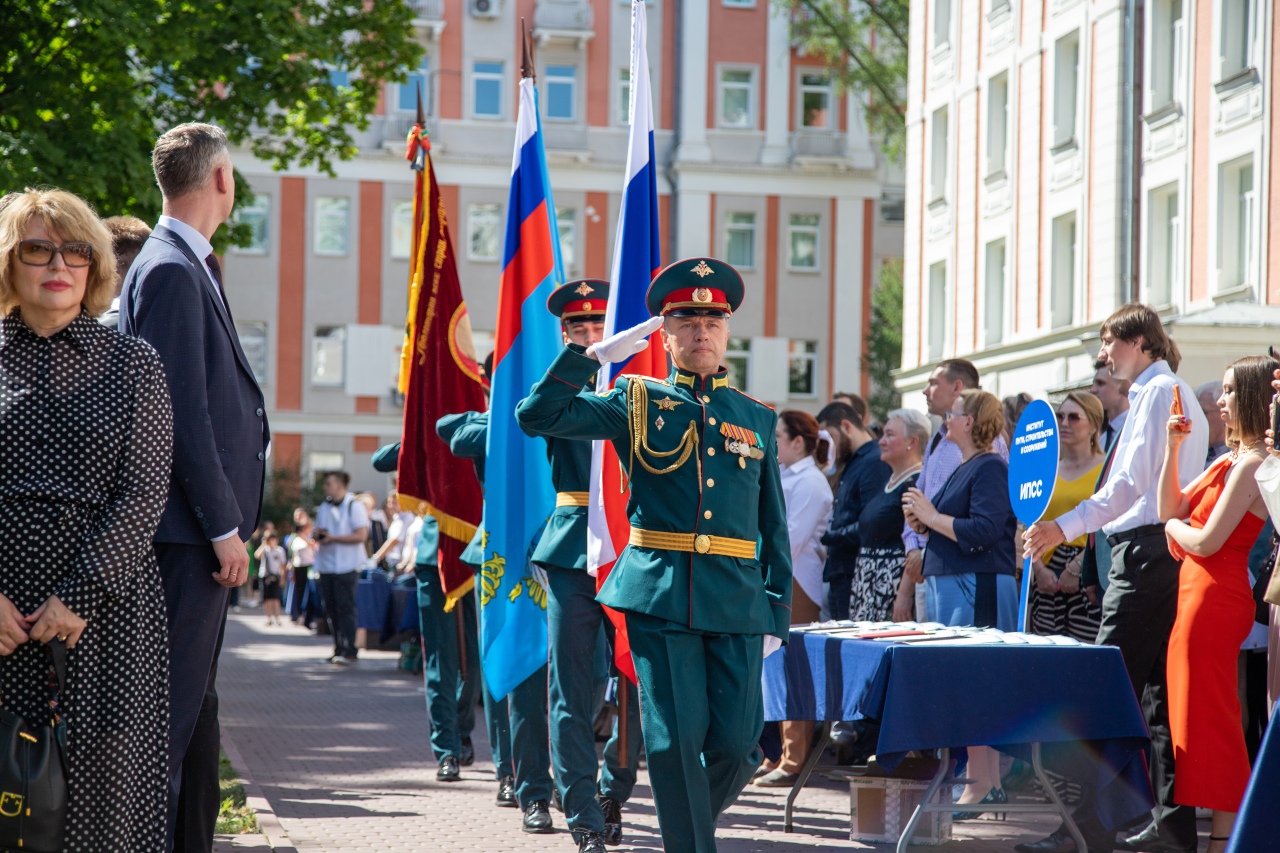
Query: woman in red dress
(1215,602)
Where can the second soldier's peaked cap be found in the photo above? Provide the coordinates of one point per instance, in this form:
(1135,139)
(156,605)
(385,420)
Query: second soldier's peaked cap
(577,300)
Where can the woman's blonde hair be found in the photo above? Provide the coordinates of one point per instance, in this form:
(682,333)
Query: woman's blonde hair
(1093,412)
(72,219)
(988,417)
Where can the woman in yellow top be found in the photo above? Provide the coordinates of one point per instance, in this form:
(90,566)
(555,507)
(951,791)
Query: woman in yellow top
(1057,604)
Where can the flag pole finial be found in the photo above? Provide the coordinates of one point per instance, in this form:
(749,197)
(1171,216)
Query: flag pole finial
(526,54)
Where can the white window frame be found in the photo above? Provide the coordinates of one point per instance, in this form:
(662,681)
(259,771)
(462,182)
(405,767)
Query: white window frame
(341,202)
(333,343)
(259,208)
(995,296)
(752,88)
(810,356)
(939,155)
(1164,245)
(731,226)
(1238,22)
(936,315)
(485,208)
(317,459)
(1167,59)
(1237,240)
(1064,269)
(567,226)
(477,77)
(1066,92)
(941,24)
(828,90)
(998,125)
(423,72)
(254,338)
(793,228)
(571,82)
(740,355)
(623,114)
(397,206)
(738,4)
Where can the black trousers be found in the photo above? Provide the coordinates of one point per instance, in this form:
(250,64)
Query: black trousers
(1138,611)
(197,617)
(339,594)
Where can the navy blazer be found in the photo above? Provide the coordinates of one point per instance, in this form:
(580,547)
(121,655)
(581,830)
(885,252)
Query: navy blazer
(219,414)
(977,497)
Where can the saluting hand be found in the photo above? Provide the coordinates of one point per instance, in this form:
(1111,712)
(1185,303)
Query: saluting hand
(624,344)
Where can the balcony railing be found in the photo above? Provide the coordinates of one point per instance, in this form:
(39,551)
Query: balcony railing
(426,10)
(563,15)
(819,144)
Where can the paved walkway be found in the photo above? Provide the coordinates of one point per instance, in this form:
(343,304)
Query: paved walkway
(341,761)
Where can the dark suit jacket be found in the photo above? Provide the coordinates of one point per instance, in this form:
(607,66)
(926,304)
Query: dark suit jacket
(219,418)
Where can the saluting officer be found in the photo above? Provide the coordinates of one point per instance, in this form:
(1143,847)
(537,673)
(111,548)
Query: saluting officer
(574,618)
(706,580)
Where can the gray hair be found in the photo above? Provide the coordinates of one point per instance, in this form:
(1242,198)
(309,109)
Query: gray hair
(185,157)
(916,424)
(1214,388)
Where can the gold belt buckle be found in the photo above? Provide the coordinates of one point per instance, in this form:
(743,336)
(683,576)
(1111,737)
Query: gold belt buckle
(702,543)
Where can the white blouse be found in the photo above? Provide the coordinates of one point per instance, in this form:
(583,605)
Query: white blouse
(808,500)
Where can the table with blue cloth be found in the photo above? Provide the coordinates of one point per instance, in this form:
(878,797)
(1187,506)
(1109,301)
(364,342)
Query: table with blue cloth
(1070,706)
(385,606)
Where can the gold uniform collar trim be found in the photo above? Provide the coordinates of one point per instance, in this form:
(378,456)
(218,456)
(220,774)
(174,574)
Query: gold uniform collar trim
(687,379)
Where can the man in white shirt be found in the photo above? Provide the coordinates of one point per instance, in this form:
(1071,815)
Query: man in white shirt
(342,525)
(1141,600)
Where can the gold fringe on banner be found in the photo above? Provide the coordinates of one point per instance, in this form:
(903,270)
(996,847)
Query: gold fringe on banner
(450,525)
(454,597)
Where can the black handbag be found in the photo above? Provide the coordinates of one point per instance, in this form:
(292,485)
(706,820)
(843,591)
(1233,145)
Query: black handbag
(33,774)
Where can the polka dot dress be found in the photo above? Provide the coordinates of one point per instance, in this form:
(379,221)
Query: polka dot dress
(85,451)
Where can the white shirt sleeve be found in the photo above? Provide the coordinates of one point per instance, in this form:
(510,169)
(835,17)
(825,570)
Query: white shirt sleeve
(806,510)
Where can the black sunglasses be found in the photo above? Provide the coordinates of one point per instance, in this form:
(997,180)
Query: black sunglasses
(39,253)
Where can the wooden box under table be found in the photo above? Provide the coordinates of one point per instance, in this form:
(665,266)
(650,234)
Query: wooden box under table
(880,805)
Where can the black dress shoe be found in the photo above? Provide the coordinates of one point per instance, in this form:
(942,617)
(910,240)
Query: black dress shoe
(537,817)
(448,770)
(556,802)
(1149,841)
(1059,842)
(507,792)
(612,820)
(467,755)
(590,842)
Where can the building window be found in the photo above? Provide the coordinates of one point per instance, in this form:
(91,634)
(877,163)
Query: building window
(1237,36)
(1236,219)
(737,359)
(993,320)
(893,206)
(567,225)
(486,87)
(333,225)
(815,101)
(561,88)
(624,96)
(484,230)
(737,97)
(803,369)
(740,240)
(802,241)
(321,462)
(328,350)
(1066,90)
(997,123)
(257,216)
(998,7)
(402,230)
(253,340)
(740,4)
(407,92)
(1062,278)
(1164,245)
(1168,52)
(941,23)
(938,157)
(937,309)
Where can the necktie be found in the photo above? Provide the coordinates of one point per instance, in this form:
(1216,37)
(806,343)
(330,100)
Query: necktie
(1108,436)
(216,269)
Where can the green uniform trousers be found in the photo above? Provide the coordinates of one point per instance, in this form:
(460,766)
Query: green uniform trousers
(497,720)
(703,711)
(529,738)
(451,699)
(574,621)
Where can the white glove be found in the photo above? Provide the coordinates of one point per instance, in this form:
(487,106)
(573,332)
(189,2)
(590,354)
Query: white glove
(625,344)
(771,644)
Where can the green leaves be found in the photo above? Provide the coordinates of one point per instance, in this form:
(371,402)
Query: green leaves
(884,344)
(87,85)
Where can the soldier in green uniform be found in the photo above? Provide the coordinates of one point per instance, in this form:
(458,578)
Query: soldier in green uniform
(575,619)
(706,580)
(526,705)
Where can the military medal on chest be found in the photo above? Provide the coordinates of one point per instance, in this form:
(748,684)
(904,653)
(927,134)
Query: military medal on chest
(742,442)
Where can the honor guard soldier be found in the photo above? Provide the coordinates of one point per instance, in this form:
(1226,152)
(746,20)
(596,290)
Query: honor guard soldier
(706,579)
(575,619)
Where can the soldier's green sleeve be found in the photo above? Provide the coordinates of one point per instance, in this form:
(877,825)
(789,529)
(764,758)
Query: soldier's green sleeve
(557,405)
(387,458)
(775,542)
(465,433)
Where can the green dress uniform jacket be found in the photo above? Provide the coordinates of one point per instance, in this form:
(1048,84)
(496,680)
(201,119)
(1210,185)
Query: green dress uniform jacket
(564,538)
(687,486)
(467,435)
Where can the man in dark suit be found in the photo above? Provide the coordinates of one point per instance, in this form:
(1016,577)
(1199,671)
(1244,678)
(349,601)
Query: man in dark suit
(173,298)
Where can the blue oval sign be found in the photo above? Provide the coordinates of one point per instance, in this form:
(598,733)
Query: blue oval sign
(1033,462)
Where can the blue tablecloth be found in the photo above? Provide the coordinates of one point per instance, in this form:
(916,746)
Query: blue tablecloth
(1074,700)
(385,607)
(1258,823)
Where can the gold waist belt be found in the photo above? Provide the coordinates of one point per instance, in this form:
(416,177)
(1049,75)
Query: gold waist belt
(573,498)
(701,543)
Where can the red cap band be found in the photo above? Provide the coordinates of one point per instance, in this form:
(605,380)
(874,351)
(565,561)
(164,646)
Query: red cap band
(695,297)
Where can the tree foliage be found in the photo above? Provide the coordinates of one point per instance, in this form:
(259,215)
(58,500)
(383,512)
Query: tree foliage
(884,346)
(87,85)
(864,43)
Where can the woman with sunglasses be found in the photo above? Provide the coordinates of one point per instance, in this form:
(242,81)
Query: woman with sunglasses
(1058,605)
(85,447)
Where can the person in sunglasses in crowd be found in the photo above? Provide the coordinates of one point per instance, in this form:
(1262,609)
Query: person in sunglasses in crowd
(86,442)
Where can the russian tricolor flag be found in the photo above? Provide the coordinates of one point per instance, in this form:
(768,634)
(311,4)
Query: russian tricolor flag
(520,495)
(636,259)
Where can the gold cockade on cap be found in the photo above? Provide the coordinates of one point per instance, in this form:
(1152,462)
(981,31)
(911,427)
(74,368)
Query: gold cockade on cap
(701,294)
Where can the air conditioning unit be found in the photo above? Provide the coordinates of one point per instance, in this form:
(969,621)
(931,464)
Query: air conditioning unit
(483,8)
